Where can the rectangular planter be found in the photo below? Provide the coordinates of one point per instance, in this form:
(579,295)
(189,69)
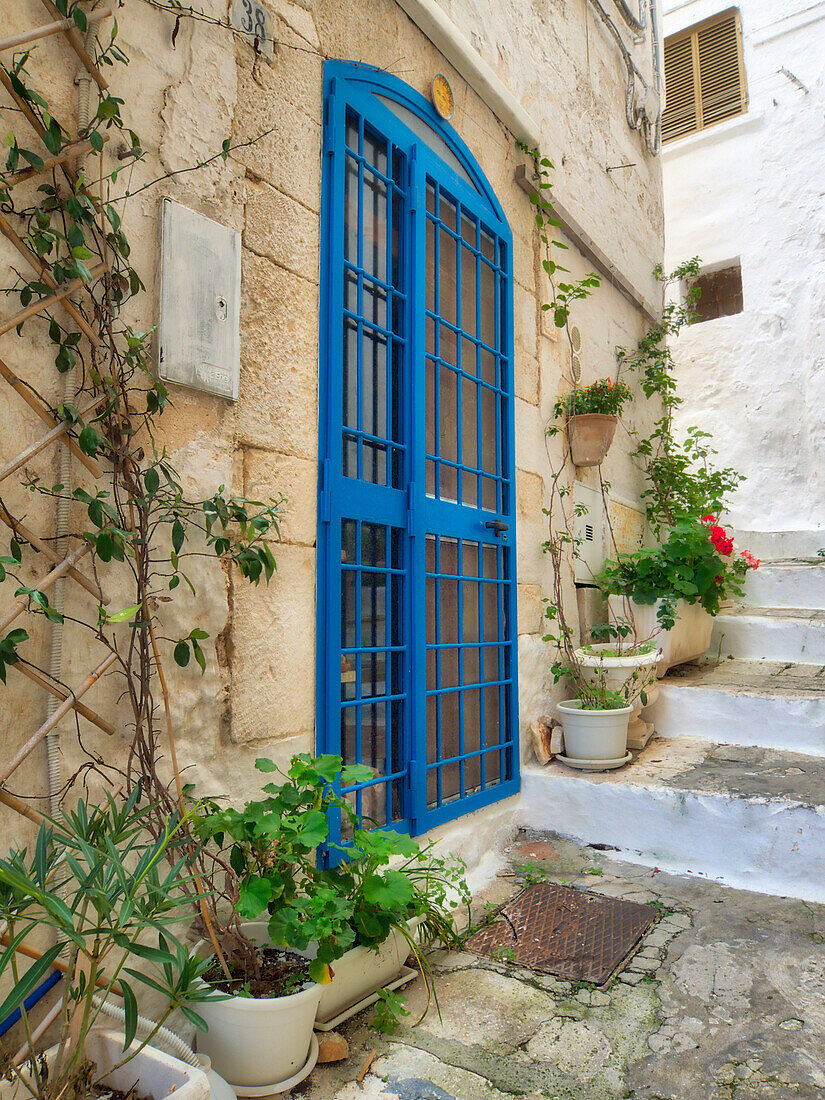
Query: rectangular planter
(158,1074)
(688,640)
(361,971)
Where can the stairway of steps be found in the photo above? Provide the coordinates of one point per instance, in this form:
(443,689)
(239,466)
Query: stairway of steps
(732,786)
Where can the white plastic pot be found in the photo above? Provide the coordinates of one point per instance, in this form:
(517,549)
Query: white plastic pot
(687,640)
(158,1074)
(258,1043)
(616,672)
(361,971)
(594,734)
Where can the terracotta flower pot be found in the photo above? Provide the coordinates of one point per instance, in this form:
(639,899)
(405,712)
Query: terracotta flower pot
(590,436)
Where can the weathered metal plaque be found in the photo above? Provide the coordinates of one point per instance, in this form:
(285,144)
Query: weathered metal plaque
(200,295)
(570,933)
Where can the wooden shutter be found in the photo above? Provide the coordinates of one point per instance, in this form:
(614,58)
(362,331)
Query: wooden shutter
(704,76)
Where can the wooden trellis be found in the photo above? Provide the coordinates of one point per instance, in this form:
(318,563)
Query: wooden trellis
(58,429)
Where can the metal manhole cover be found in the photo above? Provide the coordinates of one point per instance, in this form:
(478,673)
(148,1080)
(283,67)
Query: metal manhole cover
(570,933)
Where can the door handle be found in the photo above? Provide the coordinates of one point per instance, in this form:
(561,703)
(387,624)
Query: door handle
(497,526)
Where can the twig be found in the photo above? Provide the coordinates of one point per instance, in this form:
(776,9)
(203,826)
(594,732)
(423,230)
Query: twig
(207,920)
(365,1068)
(223,154)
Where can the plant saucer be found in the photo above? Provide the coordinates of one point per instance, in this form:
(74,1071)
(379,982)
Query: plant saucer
(283,1086)
(594,765)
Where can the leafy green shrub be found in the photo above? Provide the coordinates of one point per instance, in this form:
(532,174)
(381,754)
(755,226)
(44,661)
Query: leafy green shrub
(682,480)
(271,846)
(696,564)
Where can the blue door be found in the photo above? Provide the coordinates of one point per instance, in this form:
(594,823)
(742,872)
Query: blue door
(417,622)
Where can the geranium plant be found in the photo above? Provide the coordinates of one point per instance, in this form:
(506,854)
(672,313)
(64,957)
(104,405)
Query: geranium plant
(697,563)
(605,397)
(271,845)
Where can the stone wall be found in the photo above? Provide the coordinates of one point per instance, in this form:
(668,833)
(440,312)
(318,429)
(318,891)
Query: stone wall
(184,98)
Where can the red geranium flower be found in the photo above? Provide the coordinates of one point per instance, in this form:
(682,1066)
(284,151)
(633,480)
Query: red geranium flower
(750,559)
(721,540)
(708,519)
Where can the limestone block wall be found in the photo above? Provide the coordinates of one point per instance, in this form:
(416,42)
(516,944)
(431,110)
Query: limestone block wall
(184,98)
(750,189)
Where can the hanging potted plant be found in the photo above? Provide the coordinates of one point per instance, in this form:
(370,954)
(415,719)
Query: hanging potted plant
(93,883)
(592,413)
(674,590)
(303,931)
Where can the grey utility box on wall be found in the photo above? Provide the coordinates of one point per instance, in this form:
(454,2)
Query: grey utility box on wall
(200,295)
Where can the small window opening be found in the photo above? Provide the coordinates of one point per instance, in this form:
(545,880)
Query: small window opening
(720,293)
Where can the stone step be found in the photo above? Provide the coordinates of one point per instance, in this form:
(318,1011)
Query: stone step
(774,704)
(788,583)
(752,818)
(770,633)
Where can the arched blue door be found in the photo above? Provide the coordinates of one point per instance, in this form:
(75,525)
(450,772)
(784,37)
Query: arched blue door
(417,612)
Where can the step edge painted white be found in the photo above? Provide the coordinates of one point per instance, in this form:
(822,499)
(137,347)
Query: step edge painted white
(769,847)
(788,723)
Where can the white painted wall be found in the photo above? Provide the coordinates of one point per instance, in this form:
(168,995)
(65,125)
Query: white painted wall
(753,187)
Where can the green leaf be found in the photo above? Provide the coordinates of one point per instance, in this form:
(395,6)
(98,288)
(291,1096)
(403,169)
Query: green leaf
(153,954)
(264,765)
(182,654)
(178,535)
(122,616)
(29,981)
(151,480)
(52,138)
(131,1010)
(89,442)
(33,159)
(320,972)
(392,890)
(254,895)
(194,1018)
(314,828)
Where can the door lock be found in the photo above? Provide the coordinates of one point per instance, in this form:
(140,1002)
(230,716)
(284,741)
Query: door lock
(497,526)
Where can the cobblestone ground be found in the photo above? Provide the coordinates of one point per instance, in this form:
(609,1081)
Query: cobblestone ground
(724,1000)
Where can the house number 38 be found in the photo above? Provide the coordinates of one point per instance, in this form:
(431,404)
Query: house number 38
(256,22)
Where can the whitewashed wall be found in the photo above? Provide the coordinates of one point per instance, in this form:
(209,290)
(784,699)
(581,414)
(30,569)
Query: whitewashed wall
(753,188)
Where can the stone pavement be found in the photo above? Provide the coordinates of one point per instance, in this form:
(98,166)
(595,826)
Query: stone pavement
(724,1000)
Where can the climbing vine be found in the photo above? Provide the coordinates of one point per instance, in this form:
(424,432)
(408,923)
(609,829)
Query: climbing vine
(133,521)
(682,480)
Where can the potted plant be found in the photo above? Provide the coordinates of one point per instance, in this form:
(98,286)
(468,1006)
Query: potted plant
(399,891)
(308,917)
(678,587)
(628,666)
(595,721)
(592,413)
(93,882)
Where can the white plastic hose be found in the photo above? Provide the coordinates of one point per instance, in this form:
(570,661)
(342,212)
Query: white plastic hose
(145,1026)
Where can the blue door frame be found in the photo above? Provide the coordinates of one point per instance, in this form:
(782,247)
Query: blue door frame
(386,531)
